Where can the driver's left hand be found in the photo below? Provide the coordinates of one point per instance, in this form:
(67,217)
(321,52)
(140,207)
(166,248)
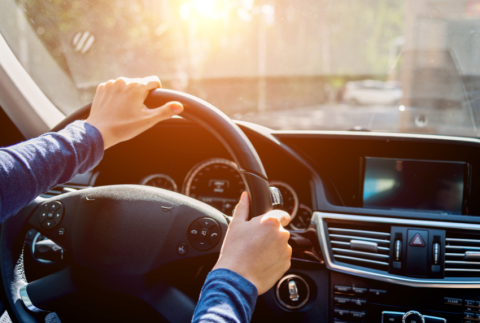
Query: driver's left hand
(119,113)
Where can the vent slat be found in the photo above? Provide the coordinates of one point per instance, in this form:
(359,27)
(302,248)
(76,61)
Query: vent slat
(346,245)
(458,262)
(362,260)
(343,243)
(347,237)
(463,270)
(463,247)
(462,240)
(361,253)
(461,254)
(361,232)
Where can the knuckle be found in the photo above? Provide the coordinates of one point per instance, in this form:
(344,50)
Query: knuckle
(285,235)
(289,251)
(271,223)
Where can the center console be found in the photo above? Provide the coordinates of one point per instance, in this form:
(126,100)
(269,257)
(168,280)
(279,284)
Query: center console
(354,299)
(400,270)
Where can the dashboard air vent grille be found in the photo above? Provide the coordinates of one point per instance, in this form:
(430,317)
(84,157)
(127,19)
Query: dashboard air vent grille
(360,246)
(462,254)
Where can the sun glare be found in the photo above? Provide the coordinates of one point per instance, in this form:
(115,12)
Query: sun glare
(212,9)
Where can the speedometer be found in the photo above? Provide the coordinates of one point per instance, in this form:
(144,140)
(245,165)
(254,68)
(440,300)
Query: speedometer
(216,182)
(161,181)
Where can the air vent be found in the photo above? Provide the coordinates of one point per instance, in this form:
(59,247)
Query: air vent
(462,254)
(361,246)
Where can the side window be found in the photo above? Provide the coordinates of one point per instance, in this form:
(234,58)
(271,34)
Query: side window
(9,134)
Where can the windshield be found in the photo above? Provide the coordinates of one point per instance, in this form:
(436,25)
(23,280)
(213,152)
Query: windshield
(369,65)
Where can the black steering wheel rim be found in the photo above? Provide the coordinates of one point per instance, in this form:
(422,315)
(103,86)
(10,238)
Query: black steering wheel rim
(196,110)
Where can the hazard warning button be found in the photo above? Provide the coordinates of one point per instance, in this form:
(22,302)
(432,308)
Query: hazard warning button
(417,241)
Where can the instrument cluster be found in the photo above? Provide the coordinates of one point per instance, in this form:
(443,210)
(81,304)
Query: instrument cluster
(217,182)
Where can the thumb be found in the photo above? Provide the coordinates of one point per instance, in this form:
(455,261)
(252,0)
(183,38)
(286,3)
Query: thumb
(168,110)
(242,209)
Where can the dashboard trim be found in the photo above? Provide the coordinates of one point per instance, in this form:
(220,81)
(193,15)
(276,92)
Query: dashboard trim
(318,220)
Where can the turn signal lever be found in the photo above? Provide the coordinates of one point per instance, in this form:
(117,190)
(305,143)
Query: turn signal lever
(277,199)
(48,250)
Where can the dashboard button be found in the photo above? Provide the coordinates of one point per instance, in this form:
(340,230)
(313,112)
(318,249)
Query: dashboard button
(206,223)
(469,303)
(358,302)
(359,291)
(392,317)
(343,289)
(356,315)
(341,314)
(453,301)
(468,315)
(377,292)
(341,301)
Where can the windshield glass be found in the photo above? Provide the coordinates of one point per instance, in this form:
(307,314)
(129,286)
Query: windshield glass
(381,65)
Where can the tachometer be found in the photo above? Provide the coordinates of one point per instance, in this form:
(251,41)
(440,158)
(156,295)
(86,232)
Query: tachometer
(216,182)
(302,220)
(160,181)
(290,198)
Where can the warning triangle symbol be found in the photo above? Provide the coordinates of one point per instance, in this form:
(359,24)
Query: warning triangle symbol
(417,241)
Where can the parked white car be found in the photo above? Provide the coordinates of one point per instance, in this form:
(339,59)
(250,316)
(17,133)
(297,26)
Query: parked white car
(372,92)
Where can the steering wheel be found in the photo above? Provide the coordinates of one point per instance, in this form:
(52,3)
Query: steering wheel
(120,241)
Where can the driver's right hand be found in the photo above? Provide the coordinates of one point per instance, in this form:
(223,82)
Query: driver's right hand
(257,249)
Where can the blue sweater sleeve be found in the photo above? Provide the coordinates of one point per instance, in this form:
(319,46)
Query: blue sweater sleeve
(31,168)
(225,297)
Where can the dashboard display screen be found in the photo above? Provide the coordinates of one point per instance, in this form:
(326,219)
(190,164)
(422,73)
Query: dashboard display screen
(416,185)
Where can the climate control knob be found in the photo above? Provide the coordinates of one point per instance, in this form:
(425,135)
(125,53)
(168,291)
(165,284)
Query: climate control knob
(413,317)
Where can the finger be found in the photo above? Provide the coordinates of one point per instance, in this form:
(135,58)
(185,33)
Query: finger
(151,82)
(242,208)
(282,217)
(167,111)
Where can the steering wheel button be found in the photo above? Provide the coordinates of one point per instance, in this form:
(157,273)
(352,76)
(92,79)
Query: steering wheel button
(204,233)
(206,223)
(214,235)
(57,216)
(202,244)
(48,224)
(54,206)
(194,231)
(43,217)
(182,248)
(61,232)
(50,215)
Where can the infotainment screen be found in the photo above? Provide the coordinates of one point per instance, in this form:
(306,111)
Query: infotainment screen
(416,185)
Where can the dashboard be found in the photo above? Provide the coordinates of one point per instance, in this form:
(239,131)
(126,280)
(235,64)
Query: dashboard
(385,227)
(197,165)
